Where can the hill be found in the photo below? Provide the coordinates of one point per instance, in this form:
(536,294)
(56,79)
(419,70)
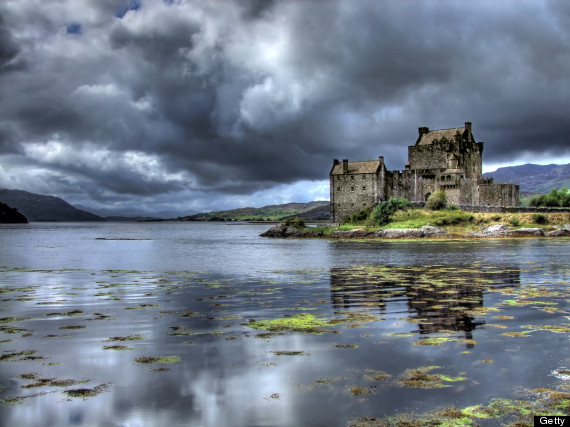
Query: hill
(533,178)
(9,215)
(310,211)
(37,207)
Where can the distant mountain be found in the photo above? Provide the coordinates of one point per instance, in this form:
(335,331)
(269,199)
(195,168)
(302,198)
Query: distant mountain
(533,178)
(129,214)
(9,215)
(309,211)
(44,208)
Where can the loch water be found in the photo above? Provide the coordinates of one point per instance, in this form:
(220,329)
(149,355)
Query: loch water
(203,324)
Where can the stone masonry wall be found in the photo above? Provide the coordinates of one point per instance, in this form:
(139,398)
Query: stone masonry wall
(427,156)
(498,194)
(352,192)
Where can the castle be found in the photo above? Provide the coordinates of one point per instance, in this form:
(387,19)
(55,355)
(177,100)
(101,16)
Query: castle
(445,159)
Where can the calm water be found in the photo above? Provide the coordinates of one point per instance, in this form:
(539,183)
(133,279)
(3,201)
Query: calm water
(490,317)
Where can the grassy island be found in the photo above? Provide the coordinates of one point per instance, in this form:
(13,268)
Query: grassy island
(397,218)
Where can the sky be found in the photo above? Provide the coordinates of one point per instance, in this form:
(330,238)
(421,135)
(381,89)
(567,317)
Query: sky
(171,107)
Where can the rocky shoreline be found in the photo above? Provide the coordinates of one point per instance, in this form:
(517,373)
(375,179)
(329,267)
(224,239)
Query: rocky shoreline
(283,230)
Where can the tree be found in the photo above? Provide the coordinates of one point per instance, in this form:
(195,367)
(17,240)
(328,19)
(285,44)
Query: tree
(385,210)
(436,200)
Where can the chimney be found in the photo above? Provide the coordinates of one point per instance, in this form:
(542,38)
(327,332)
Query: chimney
(381,159)
(468,126)
(335,162)
(423,130)
(344,165)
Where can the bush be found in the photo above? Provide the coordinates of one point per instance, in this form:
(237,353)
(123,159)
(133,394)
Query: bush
(539,218)
(556,198)
(436,200)
(515,221)
(359,216)
(385,210)
(296,222)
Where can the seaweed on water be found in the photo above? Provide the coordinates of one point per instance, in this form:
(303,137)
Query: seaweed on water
(161,359)
(86,393)
(421,378)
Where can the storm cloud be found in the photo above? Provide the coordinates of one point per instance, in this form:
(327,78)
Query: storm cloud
(189,105)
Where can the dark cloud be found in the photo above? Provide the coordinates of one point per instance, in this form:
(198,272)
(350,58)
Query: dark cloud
(205,100)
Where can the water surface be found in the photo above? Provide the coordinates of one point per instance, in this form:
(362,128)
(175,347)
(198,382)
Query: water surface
(84,305)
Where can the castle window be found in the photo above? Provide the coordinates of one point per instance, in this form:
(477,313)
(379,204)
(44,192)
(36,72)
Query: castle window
(337,188)
(351,188)
(363,188)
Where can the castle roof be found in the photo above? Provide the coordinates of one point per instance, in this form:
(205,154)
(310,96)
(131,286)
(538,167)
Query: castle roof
(368,166)
(449,134)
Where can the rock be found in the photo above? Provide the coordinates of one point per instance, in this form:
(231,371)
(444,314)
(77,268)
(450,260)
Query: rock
(560,231)
(526,232)
(351,234)
(403,233)
(283,230)
(278,230)
(495,229)
(429,230)
(567,227)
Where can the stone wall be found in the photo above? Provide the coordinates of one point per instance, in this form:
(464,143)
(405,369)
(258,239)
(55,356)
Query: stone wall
(428,156)
(351,193)
(499,194)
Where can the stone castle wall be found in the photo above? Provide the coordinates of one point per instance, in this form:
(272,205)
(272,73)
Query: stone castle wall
(351,193)
(446,159)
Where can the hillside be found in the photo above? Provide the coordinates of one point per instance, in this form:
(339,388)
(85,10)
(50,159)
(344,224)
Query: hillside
(310,211)
(533,178)
(36,207)
(9,215)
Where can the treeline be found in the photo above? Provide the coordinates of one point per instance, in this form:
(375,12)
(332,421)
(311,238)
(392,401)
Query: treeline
(556,198)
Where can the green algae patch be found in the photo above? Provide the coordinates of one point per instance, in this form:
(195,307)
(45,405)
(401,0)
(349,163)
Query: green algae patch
(142,307)
(19,356)
(421,378)
(523,334)
(499,408)
(19,400)
(358,390)
(85,393)
(5,320)
(374,375)
(136,337)
(434,340)
(145,360)
(117,347)
(38,381)
(305,323)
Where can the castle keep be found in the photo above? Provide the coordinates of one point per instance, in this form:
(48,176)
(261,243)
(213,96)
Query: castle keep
(445,159)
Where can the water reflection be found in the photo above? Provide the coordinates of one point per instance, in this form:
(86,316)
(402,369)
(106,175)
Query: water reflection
(436,298)
(227,373)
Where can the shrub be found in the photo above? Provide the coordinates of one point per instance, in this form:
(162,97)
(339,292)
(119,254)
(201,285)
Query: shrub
(384,211)
(436,200)
(539,218)
(296,222)
(359,216)
(556,198)
(515,221)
